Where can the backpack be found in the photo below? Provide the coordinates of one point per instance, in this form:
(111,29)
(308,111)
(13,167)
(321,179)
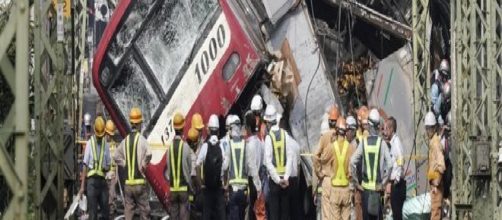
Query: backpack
(212,166)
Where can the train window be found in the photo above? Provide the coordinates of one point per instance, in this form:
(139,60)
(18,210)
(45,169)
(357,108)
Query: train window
(230,66)
(133,89)
(170,36)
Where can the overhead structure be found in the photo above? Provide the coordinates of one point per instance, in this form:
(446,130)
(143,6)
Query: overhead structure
(14,131)
(477,107)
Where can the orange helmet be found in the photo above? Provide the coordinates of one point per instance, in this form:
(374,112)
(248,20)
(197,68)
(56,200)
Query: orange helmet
(334,113)
(341,123)
(362,114)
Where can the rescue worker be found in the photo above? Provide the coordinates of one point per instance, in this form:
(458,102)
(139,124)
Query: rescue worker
(254,143)
(376,161)
(242,167)
(257,109)
(436,165)
(397,183)
(111,176)
(322,164)
(341,196)
(97,162)
(213,164)
(362,117)
(281,162)
(197,200)
(351,138)
(134,154)
(178,170)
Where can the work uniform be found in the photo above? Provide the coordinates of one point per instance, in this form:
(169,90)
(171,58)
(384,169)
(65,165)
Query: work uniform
(358,195)
(196,175)
(341,197)
(322,164)
(179,174)
(112,179)
(398,188)
(435,172)
(376,162)
(133,154)
(255,150)
(214,201)
(97,159)
(280,160)
(242,165)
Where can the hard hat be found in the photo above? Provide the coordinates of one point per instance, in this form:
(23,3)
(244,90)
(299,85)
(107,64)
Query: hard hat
(334,113)
(135,116)
(256,103)
(341,124)
(178,121)
(87,119)
(444,65)
(362,113)
(193,134)
(351,122)
(213,122)
(99,126)
(110,128)
(270,113)
(236,120)
(430,119)
(374,116)
(446,89)
(197,121)
(229,120)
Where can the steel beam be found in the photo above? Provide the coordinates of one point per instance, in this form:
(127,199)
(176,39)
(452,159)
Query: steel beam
(15,169)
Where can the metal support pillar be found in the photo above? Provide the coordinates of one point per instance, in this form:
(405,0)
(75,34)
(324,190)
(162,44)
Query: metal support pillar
(14,168)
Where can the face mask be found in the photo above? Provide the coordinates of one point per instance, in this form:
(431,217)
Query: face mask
(235,130)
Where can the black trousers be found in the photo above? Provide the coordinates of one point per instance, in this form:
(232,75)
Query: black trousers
(237,205)
(397,198)
(253,195)
(97,195)
(214,204)
(279,202)
(295,198)
(366,214)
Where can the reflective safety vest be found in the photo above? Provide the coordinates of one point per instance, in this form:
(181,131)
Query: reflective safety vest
(97,166)
(133,174)
(178,182)
(279,145)
(372,163)
(237,151)
(340,179)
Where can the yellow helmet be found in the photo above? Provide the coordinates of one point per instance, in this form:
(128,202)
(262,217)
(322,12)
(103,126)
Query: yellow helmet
(110,128)
(193,134)
(178,121)
(99,127)
(197,122)
(135,116)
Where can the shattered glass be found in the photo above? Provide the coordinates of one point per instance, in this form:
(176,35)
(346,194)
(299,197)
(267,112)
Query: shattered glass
(169,38)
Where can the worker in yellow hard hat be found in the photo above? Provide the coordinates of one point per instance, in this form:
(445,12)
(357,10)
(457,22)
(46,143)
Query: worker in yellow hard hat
(179,169)
(111,176)
(322,164)
(340,180)
(97,162)
(197,128)
(134,155)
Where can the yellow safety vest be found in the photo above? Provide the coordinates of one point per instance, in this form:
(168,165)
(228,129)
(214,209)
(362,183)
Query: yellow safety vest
(279,154)
(237,165)
(131,162)
(340,179)
(97,169)
(371,171)
(176,170)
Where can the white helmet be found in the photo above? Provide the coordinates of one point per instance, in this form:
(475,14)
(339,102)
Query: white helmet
(430,119)
(444,66)
(374,116)
(229,120)
(270,113)
(87,119)
(351,122)
(213,122)
(256,103)
(236,120)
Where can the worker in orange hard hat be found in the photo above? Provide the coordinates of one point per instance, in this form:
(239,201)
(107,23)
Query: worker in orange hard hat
(97,162)
(111,176)
(179,169)
(322,164)
(134,145)
(362,117)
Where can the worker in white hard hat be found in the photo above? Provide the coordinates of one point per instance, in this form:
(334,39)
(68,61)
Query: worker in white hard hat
(281,158)
(376,162)
(214,165)
(87,131)
(352,128)
(436,165)
(257,110)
